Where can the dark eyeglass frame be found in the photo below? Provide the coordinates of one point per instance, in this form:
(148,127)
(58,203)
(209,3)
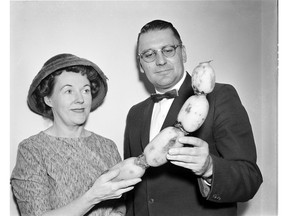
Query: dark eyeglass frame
(154,52)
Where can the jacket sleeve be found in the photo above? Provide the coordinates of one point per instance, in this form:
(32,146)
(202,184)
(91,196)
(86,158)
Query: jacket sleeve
(127,153)
(236,176)
(29,183)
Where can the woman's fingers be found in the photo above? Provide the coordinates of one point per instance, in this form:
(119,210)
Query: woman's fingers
(109,175)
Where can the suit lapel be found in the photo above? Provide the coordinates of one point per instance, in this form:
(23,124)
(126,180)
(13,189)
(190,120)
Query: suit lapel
(145,130)
(185,92)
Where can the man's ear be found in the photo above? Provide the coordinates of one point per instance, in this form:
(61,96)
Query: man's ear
(140,67)
(184,55)
(48,101)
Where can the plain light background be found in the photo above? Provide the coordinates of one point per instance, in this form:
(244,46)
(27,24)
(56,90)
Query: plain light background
(240,37)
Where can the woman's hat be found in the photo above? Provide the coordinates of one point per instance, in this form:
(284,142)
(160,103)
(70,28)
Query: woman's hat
(62,61)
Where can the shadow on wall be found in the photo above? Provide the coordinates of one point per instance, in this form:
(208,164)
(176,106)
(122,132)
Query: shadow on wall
(242,208)
(148,86)
(14,200)
(142,77)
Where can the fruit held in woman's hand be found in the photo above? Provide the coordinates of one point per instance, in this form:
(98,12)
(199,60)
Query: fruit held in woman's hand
(133,167)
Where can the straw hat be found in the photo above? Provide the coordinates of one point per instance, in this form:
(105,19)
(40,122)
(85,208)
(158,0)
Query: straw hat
(62,61)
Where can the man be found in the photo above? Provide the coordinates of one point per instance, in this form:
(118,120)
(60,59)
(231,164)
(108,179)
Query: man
(217,167)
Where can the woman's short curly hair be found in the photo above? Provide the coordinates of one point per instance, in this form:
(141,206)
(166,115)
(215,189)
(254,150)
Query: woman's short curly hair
(46,87)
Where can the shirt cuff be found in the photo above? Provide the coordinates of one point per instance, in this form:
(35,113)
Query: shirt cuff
(204,187)
(207,182)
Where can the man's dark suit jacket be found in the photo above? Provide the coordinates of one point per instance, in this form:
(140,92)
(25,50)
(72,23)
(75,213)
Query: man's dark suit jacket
(170,190)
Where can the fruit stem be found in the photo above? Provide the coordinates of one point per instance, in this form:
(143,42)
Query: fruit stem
(141,161)
(206,62)
(198,93)
(180,127)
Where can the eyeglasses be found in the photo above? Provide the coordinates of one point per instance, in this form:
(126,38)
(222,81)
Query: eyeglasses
(150,55)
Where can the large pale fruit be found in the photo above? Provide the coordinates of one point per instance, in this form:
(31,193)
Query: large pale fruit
(133,167)
(155,152)
(153,155)
(193,112)
(203,78)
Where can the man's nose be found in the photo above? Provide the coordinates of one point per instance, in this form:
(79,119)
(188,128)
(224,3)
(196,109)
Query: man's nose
(160,58)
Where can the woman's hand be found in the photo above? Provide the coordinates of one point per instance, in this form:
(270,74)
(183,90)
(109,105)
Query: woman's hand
(105,189)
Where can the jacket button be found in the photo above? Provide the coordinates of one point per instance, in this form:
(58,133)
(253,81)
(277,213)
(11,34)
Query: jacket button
(151,201)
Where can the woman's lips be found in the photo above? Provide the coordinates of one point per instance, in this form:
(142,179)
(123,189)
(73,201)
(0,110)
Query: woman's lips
(78,110)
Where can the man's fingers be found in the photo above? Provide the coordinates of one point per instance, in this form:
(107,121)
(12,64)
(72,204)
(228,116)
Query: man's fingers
(194,141)
(182,158)
(183,151)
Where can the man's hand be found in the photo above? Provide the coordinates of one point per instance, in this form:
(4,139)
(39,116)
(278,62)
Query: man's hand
(195,158)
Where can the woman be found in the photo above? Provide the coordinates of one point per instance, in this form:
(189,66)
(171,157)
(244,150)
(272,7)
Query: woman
(58,171)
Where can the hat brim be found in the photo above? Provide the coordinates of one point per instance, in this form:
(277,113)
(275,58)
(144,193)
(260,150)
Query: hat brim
(62,61)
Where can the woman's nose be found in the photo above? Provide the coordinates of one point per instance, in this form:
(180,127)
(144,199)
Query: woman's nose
(79,97)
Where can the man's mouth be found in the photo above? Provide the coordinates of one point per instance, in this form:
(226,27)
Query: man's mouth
(164,71)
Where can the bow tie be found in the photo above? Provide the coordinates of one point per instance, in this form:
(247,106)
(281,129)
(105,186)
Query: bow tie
(170,94)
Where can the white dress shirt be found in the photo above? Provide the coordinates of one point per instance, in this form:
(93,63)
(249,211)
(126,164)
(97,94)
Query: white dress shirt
(161,109)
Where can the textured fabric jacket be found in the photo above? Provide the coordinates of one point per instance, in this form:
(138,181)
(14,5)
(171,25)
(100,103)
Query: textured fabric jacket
(170,190)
